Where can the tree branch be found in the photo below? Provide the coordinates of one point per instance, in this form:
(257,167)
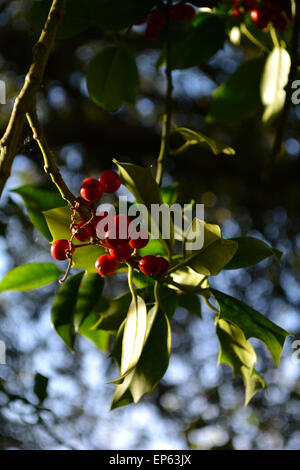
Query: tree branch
(26,99)
(279,138)
(49,163)
(167,119)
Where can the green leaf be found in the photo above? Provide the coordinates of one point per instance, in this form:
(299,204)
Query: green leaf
(189,280)
(141,183)
(274,79)
(250,252)
(154,247)
(99,337)
(197,138)
(238,353)
(195,42)
(73,305)
(113,312)
(169,194)
(58,221)
(239,95)
(252,323)
(215,253)
(30,276)
(154,360)
(40,387)
(191,303)
(75,21)
(152,364)
(112,78)
(91,288)
(63,307)
(134,334)
(36,201)
(117,14)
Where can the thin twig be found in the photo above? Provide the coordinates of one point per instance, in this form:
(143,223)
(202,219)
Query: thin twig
(167,119)
(49,163)
(27,96)
(279,138)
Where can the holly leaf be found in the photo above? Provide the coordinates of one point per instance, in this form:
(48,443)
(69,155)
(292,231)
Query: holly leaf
(112,77)
(274,79)
(252,323)
(239,353)
(250,252)
(191,303)
(169,194)
(99,337)
(239,95)
(215,252)
(134,334)
(117,14)
(198,138)
(74,302)
(205,28)
(30,276)
(112,312)
(36,201)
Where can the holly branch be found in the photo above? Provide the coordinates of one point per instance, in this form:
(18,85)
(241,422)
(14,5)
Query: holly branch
(26,100)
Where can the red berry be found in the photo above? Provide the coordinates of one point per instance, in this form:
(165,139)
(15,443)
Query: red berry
(163,265)
(91,190)
(158,18)
(254,15)
(279,23)
(153,265)
(113,240)
(60,248)
(153,31)
(121,253)
(82,234)
(110,181)
(122,223)
(140,240)
(236,12)
(100,229)
(106,265)
(181,12)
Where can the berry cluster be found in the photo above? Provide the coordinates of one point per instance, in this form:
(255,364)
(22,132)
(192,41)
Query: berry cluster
(157,18)
(115,234)
(263,12)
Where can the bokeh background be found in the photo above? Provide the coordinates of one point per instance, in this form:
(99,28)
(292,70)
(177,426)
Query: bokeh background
(198,404)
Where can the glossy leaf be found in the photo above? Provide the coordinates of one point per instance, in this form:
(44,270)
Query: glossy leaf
(215,253)
(198,138)
(63,307)
(191,303)
(134,334)
(238,353)
(30,276)
(188,280)
(169,194)
(250,252)
(36,201)
(113,312)
(99,337)
(274,79)
(197,41)
(239,95)
(90,291)
(252,323)
(112,78)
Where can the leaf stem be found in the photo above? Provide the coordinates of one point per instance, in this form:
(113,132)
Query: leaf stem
(167,119)
(253,39)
